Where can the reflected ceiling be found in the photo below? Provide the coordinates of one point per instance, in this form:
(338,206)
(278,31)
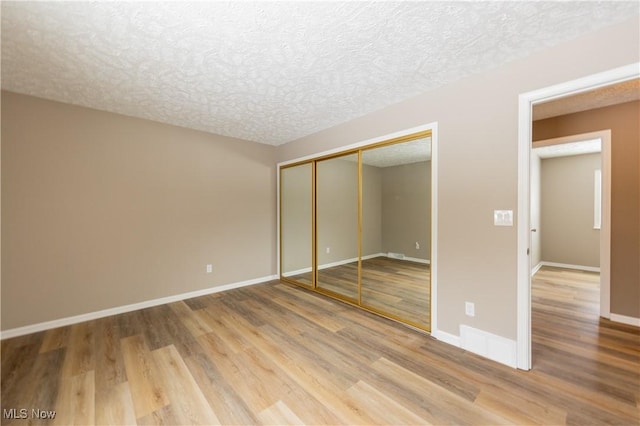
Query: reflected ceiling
(398,154)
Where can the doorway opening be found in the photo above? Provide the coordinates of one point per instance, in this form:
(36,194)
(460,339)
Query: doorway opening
(526,104)
(570,202)
(568,236)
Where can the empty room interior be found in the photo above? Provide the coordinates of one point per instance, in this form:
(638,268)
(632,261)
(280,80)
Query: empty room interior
(320,213)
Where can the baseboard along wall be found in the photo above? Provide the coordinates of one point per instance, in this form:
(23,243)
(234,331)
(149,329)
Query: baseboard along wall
(564,265)
(625,319)
(34,328)
(483,343)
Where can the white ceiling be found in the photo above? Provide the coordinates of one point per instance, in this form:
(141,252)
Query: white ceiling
(271,72)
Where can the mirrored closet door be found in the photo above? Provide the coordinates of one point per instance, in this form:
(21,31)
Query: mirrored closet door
(396,231)
(357,226)
(337,225)
(296,223)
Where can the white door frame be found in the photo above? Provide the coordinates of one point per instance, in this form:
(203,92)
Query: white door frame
(525,104)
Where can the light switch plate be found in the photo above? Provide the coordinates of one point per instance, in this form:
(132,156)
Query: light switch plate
(503,217)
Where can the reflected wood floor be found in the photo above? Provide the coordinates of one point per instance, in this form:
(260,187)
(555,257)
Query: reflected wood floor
(400,288)
(278,354)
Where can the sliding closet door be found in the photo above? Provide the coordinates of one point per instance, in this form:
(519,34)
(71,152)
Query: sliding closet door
(357,226)
(337,226)
(396,231)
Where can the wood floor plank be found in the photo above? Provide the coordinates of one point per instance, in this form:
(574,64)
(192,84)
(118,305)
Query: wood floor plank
(108,354)
(325,321)
(279,414)
(185,396)
(439,398)
(228,406)
(76,400)
(233,340)
(114,405)
(143,377)
(190,319)
(55,339)
(17,362)
(519,410)
(313,379)
(161,417)
(80,355)
(382,407)
(282,321)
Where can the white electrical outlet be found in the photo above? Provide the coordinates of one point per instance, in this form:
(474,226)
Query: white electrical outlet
(469,309)
(503,217)
(328,250)
(417,245)
(209,268)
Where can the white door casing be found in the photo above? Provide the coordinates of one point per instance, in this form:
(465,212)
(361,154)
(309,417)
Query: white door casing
(525,104)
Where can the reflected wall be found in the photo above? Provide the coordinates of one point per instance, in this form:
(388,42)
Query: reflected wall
(396,282)
(337,225)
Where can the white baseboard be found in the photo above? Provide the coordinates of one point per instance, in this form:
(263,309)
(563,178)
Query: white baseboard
(446,337)
(488,345)
(346,261)
(536,268)
(401,256)
(625,319)
(34,328)
(417,260)
(297,272)
(569,266)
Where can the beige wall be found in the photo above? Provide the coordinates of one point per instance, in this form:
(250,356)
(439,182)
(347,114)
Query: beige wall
(477,167)
(372,205)
(567,189)
(624,122)
(101,210)
(406,209)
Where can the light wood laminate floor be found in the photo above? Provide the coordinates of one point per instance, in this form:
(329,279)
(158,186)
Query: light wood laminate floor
(278,354)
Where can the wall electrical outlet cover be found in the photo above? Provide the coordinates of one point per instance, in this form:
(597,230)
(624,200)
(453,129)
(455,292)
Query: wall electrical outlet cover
(503,217)
(469,309)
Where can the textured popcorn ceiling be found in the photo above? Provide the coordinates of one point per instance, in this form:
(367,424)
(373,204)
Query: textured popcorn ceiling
(271,72)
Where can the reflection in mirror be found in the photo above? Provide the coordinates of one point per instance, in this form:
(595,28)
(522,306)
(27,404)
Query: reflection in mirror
(296,224)
(396,230)
(337,225)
